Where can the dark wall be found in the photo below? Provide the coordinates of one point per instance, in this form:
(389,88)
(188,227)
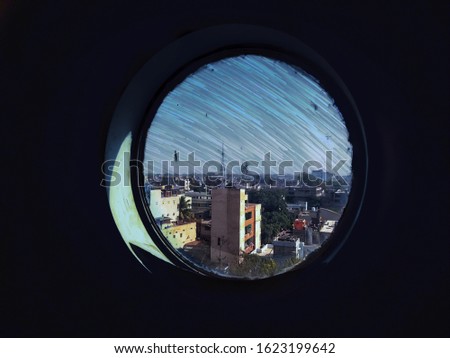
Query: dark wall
(65,270)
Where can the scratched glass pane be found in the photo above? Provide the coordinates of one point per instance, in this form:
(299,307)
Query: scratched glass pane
(248,167)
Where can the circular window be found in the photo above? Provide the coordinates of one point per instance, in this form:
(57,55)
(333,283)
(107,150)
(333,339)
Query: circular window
(242,164)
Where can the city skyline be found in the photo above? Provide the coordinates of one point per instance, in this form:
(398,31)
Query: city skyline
(250,105)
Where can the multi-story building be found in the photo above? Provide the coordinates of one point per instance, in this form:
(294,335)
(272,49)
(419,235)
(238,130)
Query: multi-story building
(165,204)
(180,235)
(201,203)
(288,248)
(297,194)
(235,225)
(165,208)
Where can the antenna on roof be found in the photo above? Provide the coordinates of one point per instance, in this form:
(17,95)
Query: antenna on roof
(223,167)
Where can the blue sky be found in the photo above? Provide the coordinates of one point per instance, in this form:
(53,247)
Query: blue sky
(253,105)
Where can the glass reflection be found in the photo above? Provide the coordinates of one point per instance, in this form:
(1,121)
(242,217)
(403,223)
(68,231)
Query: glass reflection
(248,167)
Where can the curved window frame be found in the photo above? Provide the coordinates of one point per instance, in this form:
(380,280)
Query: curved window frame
(171,66)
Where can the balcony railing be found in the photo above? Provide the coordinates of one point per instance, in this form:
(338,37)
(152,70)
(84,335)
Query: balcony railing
(248,236)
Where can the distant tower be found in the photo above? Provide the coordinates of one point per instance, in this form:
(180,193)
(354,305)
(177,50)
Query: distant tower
(224,174)
(176,168)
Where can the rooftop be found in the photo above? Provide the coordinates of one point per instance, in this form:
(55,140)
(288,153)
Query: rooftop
(329,226)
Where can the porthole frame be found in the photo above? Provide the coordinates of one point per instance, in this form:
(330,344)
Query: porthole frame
(171,65)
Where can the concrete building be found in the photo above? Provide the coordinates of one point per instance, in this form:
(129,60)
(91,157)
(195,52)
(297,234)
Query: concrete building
(165,204)
(201,203)
(299,206)
(340,196)
(236,225)
(180,235)
(165,208)
(204,230)
(289,248)
(327,229)
(300,194)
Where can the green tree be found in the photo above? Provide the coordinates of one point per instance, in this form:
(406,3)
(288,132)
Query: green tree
(275,216)
(270,199)
(287,264)
(254,266)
